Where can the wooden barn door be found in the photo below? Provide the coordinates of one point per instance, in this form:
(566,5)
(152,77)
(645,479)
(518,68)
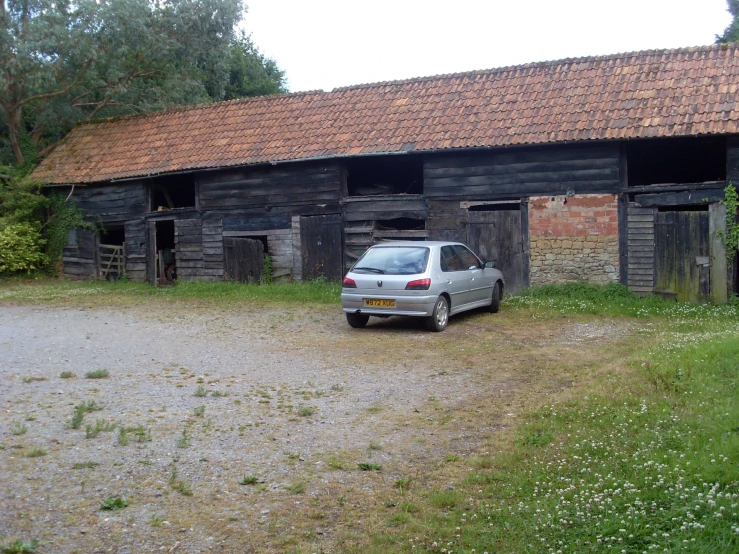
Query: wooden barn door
(682,256)
(499,236)
(320,247)
(243,259)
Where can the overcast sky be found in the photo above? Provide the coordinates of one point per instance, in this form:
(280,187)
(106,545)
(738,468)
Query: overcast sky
(323,44)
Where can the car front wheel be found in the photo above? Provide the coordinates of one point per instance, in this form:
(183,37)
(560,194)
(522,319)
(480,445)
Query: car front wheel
(495,302)
(357,321)
(440,317)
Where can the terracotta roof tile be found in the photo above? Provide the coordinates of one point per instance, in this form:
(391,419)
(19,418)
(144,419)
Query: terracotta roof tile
(657,93)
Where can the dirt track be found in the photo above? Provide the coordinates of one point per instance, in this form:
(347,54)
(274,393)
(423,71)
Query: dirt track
(294,398)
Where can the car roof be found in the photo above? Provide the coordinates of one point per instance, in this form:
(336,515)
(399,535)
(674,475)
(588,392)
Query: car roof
(414,243)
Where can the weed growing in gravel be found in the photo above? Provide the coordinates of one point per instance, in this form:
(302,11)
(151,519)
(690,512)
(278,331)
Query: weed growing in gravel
(85,465)
(92,431)
(97,374)
(67,375)
(375,446)
(200,391)
(403,484)
(249,480)
(218,394)
(335,462)
(17,428)
(139,432)
(199,411)
(306,411)
(368,466)
(336,387)
(114,503)
(30,379)
(183,441)
(79,413)
(36,452)
(19,547)
(295,488)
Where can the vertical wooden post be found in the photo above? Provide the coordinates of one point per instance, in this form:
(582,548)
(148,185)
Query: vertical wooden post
(719,283)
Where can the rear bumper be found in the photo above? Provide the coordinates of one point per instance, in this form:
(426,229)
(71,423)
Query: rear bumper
(418,306)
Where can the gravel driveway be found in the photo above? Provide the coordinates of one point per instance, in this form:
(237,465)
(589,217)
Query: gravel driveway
(288,401)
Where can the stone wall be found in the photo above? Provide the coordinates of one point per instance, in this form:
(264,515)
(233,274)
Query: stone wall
(573,239)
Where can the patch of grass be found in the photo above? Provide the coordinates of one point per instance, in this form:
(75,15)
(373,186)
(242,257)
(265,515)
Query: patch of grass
(36,453)
(92,431)
(335,462)
(97,374)
(19,547)
(296,488)
(637,461)
(85,465)
(79,412)
(368,466)
(184,488)
(67,375)
(17,428)
(336,387)
(374,446)
(199,411)
(183,441)
(249,480)
(306,411)
(139,433)
(403,484)
(114,503)
(31,378)
(200,391)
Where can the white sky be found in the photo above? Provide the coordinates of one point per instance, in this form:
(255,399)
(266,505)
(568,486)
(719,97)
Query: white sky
(323,44)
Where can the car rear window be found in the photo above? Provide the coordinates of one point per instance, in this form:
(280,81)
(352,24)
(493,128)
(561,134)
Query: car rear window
(393,260)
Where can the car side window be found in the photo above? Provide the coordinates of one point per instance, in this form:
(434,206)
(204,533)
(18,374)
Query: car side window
(467,257)
(449,260)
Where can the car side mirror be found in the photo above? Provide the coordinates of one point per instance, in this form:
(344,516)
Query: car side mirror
(490,265)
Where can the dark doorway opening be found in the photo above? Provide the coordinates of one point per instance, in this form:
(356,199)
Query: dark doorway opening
(497,207)
(113,235)
(676,161)
(384,175)
(165,255)
(172,192)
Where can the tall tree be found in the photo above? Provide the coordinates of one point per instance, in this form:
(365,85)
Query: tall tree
(66,61)
(731,33)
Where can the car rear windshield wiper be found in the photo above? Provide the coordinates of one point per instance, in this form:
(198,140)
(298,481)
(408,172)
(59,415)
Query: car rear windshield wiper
(371,269)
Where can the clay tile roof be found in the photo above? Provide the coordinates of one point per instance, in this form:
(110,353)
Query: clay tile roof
(657,93)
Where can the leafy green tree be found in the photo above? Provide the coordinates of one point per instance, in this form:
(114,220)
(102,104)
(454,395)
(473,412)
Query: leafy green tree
(67,61)
(731,33)
(250,73)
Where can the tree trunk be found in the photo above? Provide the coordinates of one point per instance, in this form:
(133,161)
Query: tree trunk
(14,117)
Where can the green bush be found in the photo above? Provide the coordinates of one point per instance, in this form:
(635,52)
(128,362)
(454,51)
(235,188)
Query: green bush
(21,248)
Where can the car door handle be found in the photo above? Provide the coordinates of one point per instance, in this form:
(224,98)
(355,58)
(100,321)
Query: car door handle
(448,281)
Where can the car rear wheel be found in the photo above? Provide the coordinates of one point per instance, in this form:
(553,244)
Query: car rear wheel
(495,302)
(357,321)
(440,317)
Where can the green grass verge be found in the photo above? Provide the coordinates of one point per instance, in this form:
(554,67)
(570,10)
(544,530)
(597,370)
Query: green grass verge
(648,462)
(56,291)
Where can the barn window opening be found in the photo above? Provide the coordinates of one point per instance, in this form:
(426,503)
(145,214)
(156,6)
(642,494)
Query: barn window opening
(113,235)
(676,161)
(384,175)
(496,207)
(172,192)
(399,228)
(698,208)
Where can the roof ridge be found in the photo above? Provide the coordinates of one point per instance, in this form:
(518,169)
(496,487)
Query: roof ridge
(529,65)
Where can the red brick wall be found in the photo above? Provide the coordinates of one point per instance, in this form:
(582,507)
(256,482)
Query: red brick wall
(573,238)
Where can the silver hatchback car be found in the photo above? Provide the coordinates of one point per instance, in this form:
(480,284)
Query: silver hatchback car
(431,279)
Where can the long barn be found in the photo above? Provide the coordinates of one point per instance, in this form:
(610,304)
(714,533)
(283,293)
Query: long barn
(605,169)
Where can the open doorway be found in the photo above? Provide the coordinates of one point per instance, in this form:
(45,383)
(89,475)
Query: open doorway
(165,262)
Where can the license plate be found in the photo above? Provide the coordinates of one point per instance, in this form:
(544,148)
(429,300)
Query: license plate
(378,303)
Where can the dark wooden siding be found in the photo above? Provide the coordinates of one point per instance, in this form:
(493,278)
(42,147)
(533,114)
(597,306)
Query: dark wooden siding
(299,185)
(584,169)
(189,249)
(113,202)
(640,245)
(80,256)
(135,231)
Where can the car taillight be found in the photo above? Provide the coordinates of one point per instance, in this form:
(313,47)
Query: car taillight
(349,283)
(418,284)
